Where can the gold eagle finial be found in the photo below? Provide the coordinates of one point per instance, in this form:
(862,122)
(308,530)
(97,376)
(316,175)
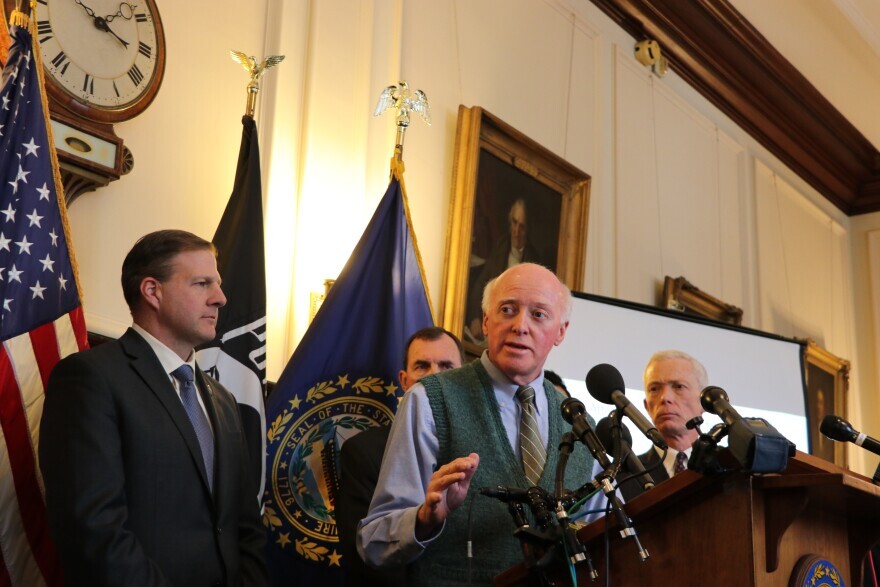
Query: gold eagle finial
(400,98)
(256,71)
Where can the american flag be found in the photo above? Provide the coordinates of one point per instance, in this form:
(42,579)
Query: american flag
(41,319)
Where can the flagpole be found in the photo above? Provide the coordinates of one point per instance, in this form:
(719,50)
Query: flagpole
(404,101)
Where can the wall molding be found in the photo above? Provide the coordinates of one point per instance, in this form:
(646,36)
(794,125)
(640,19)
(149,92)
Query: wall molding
(718,52)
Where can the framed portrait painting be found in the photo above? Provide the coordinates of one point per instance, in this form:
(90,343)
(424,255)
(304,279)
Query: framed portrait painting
(827,379)
(513,202)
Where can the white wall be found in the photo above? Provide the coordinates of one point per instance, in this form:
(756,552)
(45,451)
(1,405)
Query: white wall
(677,188)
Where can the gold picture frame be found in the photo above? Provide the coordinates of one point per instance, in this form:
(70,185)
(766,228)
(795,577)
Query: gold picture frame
(499,177)
(827,382)
(681,295)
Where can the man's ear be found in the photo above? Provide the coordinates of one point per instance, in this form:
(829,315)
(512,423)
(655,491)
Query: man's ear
(151,292)
(405,383)
(561,335)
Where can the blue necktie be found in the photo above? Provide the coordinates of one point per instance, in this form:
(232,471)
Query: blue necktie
(189,396)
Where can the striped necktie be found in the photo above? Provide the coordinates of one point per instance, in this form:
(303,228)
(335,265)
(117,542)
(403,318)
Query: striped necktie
(532,448)
(188,395)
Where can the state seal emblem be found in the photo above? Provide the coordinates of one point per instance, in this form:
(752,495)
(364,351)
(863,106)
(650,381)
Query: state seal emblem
(813,570)
(304,479)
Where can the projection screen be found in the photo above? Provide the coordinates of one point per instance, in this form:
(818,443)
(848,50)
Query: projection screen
(762,373)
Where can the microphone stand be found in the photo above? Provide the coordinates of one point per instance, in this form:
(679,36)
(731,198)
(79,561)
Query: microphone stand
(634,465)
(704,454)
(566,447)
(627,530)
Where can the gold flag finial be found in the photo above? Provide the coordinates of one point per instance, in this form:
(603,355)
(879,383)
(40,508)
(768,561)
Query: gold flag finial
(404,101)
(257,71)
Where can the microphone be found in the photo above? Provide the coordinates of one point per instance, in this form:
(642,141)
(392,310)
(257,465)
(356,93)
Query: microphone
(753,442)
(605,384)
(605,430)
(505,494)
(836,428)
(715,401)
(574,412)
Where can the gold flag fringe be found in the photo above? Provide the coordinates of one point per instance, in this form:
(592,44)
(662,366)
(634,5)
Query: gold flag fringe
(59,185)
(397,169)
(19,19)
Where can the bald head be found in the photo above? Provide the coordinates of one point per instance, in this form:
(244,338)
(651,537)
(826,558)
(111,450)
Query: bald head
(525,314)
(528,270)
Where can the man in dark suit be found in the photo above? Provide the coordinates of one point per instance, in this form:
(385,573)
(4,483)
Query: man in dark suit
(673,382)
(429,350)
(143,455)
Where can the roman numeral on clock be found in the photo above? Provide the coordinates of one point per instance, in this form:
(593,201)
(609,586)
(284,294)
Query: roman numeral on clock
(135,75)
(89,84)
(61,62)
(44,27)
(145,50)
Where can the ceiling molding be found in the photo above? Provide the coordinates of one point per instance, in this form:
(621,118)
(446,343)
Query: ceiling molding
(717,51)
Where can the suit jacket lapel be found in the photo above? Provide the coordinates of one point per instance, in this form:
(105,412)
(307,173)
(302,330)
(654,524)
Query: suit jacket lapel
(147,366)
(651,459)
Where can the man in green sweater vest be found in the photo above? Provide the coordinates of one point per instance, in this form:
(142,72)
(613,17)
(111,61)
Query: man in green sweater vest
(463,429)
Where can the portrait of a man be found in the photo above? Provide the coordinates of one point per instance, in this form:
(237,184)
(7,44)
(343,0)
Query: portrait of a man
(516,220)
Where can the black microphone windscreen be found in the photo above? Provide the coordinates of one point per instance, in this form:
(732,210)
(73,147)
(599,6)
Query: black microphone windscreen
(602,381)
(708,397)
(836,428)
(604,429)
(572,407)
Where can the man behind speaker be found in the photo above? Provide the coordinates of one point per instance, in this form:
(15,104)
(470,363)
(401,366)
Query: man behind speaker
(673,382)
(146,473)
(429,350)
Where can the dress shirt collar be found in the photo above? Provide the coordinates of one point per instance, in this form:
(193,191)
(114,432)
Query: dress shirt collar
(503,384)
(168,358)
(669,461)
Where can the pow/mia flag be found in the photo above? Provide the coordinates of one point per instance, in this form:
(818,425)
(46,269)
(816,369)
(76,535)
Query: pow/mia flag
(237,357)
(341,380)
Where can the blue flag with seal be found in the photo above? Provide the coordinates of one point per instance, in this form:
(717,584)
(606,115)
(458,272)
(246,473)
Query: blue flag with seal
(341,380)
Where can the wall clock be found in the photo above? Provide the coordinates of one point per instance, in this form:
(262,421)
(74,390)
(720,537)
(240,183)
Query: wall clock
(104,59)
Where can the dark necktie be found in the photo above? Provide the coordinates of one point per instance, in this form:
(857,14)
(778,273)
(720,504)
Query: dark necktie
(189,397)
(681,460)
(533,452)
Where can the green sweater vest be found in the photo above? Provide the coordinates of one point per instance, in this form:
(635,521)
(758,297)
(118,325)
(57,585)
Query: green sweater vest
(468,420)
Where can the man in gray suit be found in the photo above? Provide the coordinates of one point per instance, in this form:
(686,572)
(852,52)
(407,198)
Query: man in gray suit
(673,382)
(142,454)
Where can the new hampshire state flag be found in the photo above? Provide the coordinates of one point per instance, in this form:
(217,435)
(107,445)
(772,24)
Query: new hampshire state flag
(342,379)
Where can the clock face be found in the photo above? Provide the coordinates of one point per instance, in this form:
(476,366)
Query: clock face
(106,57)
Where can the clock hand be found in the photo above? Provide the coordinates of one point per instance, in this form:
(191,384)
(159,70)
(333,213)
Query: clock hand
(88,10)
(101,24)
(124,7)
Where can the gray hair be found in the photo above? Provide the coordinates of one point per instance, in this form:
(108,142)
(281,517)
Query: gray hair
(566,294)
(699,370)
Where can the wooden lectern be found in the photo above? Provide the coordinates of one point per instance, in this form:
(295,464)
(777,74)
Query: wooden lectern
(736,529)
